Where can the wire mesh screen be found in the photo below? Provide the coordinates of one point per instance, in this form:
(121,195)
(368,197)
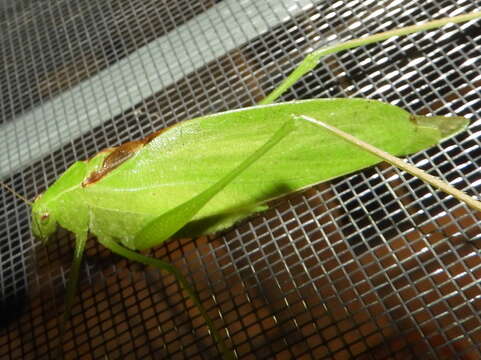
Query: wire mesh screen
(372,265)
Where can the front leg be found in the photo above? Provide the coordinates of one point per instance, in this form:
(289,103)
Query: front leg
(80,240)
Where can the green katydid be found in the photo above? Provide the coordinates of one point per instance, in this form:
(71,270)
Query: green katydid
(175,182)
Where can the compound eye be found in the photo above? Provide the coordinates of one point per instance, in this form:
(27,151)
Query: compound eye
(44,218)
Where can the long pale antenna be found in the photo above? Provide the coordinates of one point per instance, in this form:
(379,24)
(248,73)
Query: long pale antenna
(397,162)
(16,194)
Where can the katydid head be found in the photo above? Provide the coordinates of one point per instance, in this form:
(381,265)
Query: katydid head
(44,222)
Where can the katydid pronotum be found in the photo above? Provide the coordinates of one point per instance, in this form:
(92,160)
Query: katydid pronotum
(136,196)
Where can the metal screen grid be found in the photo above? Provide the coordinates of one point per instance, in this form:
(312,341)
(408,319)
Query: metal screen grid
(368,267)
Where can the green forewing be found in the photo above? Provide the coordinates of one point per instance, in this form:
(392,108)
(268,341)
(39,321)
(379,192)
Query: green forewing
(189,157)
(170,222)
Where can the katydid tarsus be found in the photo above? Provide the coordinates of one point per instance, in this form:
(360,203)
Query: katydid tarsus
(205,174)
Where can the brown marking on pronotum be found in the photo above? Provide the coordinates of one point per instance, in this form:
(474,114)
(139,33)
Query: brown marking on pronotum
(119,155)
(106,150)
(113,160)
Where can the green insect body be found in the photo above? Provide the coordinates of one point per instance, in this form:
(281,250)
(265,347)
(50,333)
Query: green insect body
(146,185)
